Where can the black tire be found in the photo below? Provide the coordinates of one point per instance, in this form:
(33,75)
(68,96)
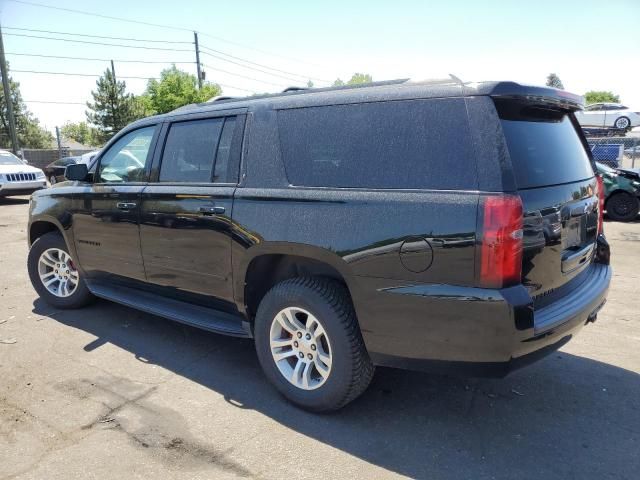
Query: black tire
(628,123)
(79,298)
(330,303)
(622,207)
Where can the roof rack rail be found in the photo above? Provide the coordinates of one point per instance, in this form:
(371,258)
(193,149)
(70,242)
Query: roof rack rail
(219,98)
(294,89)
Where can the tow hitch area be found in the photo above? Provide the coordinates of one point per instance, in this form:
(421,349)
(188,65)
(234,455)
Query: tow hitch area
(594,315)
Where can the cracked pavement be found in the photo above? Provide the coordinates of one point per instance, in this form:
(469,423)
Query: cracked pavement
(109,392)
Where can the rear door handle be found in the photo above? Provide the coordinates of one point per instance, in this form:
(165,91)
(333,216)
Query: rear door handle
(126,205)
(215,210)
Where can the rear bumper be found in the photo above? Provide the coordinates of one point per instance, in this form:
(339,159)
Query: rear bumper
(21,188)
(473,331)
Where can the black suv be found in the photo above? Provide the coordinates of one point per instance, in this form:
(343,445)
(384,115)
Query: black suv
(434,225)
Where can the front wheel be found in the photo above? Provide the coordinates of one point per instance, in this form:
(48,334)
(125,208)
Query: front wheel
(54,275)
(309,343)
(623,207)
(622,123)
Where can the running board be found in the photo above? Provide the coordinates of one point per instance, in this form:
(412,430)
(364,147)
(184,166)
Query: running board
(183,312)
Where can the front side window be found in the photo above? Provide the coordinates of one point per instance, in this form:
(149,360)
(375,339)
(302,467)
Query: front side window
(126,159)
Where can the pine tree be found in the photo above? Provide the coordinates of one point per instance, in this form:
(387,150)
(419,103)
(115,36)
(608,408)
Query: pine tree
(554,81)
(112,108)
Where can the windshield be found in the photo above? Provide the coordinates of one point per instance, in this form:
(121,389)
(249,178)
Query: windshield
(7,158)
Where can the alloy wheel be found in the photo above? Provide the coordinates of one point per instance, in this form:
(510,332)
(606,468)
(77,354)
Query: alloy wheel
(300,348)
(622,122)
(58,273)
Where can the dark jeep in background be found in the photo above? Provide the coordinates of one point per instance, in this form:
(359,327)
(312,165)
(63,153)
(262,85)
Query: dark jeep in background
(434,225)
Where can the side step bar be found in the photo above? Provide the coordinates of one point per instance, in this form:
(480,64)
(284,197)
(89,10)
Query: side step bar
(187,313)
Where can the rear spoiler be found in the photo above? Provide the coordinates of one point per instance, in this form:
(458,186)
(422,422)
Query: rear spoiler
(531,94)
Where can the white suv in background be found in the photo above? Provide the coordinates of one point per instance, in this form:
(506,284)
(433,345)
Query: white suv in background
(18,178)
(611,115)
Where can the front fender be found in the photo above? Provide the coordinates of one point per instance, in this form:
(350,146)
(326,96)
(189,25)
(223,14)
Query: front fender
(54,209)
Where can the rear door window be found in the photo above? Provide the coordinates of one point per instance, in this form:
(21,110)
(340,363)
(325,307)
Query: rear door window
(416,144)
(200,151)
(544,146)
(190,150)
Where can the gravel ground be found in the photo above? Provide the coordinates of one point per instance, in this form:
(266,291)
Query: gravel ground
(109,392)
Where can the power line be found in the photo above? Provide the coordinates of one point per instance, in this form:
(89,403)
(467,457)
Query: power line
(262,66)
(94,59)
(241,76)
(80,74)
(54,102)
(119,76)
(98,43)
(97,36)
(249,67)
(159,25)
(108,17)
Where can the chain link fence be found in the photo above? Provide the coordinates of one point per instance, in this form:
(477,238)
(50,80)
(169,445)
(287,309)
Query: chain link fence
(616,152)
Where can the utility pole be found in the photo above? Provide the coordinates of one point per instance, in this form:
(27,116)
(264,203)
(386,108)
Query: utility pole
(7,98)
(195,38)
(59,142)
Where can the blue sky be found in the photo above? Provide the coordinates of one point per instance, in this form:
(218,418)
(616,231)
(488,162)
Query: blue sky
(590,44)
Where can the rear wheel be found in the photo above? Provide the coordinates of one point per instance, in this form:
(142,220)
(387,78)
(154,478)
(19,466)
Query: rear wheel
(309,343)
(623,207)
(622,123)
(54,275)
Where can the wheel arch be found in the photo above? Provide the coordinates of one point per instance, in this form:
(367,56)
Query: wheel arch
(39,227)
(265,265)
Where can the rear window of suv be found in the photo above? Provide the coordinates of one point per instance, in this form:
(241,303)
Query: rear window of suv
(544,146)
(415,144)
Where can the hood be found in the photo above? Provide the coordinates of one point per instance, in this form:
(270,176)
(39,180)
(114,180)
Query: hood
(19,169)
(630,173)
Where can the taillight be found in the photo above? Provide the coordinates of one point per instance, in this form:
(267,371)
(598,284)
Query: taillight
(501,245)
(600,203)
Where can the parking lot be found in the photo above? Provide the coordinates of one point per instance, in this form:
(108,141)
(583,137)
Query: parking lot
(110,391)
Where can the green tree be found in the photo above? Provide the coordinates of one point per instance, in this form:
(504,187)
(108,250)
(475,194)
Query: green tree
(81,132)
(554,81)
(176,88)
(598,96)
(356,79)
(112,108)
(28,130)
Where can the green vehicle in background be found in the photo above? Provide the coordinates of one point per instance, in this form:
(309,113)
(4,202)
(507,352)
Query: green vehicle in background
(622,192)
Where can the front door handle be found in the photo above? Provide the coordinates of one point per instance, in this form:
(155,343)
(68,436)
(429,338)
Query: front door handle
(126,205)
(212,210)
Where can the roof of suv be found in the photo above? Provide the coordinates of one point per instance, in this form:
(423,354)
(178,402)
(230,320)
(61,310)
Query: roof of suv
(402,89)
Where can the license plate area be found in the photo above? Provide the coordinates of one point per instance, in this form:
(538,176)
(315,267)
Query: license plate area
(575,232)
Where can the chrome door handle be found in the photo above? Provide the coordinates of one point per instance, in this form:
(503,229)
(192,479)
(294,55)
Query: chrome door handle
(212,210)
(126,205)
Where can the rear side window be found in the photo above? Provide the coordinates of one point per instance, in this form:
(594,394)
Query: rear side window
(190,151)
(544,146)
(416,144)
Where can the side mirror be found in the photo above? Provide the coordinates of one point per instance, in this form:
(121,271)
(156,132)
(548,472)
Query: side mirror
(77,171)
